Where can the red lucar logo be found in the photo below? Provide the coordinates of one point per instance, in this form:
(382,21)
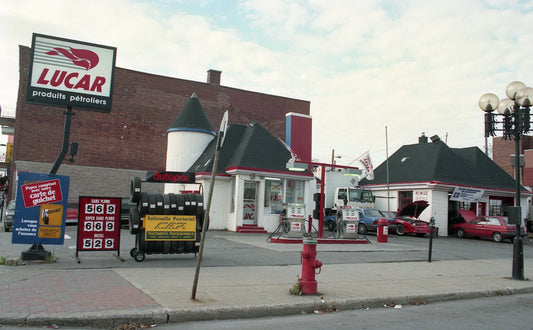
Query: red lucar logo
(81,57)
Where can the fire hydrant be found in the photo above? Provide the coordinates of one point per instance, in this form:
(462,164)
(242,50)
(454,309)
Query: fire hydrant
(383,230)
(309,265)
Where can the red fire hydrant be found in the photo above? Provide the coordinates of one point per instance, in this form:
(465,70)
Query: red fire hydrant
(309,264)
(383,230)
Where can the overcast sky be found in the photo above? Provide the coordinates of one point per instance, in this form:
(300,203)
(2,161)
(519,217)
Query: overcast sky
(411,66)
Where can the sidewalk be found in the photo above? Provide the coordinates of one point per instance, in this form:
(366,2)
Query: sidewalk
(110,297)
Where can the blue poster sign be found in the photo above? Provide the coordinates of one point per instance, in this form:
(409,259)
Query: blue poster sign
(40,209)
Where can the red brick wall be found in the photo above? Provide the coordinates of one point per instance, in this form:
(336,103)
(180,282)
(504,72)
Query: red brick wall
(503,149)
(528,167)
(133,135)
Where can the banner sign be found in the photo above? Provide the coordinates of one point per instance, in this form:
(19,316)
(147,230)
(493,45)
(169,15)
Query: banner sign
(466,194)
(70,73)
(40,209)
(99,224)
(171,177)
(170,227)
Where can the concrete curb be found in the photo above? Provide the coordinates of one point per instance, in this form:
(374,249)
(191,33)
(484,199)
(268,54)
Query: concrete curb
(165,315)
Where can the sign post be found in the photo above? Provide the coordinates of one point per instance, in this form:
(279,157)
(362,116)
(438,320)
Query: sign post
(69,73)
(220,141)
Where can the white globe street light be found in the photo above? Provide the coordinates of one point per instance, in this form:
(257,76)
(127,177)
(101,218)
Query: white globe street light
(515,122)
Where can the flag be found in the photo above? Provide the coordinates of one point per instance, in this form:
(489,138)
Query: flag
(367,165)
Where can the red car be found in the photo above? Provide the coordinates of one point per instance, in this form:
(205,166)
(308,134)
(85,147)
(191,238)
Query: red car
(72,213)
(407,221)
(495,227)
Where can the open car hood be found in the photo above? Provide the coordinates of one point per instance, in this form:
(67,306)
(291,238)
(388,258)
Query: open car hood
(413,209)
(467,215)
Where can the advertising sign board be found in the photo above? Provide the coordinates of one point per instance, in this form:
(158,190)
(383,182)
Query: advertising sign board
(70,73)
(171,177)
(463,194)
(170,227)
(40,209)
(99,224)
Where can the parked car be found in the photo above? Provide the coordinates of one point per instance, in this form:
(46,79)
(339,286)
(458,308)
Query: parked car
(495,227)
(408,222)
(9,216)
(72,213)
(368,220)
(390,214)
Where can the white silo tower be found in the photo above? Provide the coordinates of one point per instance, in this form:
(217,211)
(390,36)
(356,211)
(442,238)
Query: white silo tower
(187,138)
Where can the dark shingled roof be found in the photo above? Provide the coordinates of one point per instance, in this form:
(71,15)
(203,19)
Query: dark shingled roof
(192,118)
(426,162)
(246,147)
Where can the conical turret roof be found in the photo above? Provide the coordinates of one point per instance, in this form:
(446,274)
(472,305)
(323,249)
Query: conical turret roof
(192,118)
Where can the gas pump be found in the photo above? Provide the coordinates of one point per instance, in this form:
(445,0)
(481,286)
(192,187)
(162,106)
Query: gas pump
(296,220)
(349,220)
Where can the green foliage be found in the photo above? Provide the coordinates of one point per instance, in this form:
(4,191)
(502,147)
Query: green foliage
(296,289)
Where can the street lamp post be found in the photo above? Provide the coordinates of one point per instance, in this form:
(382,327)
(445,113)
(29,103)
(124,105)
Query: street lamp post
(515,122)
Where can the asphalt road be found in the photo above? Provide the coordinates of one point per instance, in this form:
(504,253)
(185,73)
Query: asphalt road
(505,312)
(224,249)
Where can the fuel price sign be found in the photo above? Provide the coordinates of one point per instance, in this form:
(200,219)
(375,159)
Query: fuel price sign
(98,224)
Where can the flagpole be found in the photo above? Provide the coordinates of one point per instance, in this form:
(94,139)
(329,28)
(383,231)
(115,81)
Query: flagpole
(387,166)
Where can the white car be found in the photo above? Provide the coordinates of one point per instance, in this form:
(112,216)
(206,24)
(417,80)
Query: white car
(9,216)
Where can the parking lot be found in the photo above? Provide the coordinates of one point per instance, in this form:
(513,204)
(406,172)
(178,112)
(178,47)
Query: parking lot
(225,249)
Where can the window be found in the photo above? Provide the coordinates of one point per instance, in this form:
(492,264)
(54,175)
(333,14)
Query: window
(404,198)
(295,191)
(494,221)
(274,195)
(279,192)
(464,205)
(342,194)
(495,207)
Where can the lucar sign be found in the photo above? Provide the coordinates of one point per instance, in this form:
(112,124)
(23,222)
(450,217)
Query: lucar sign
(69,73)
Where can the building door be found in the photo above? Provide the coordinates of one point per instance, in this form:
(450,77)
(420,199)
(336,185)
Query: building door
(249,216)
(481,208)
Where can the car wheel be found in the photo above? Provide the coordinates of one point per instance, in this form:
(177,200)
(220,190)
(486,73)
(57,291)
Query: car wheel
(139,256)
(497,237)
(331,225)
(362,229)
(460,233)
(400,230)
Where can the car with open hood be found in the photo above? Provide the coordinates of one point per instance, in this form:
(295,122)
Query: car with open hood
(408,219)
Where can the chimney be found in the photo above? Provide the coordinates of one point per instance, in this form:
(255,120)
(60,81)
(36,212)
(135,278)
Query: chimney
(423,139)
(213,77)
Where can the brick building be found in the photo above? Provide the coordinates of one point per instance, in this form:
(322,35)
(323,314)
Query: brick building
(502,151)
(131,139)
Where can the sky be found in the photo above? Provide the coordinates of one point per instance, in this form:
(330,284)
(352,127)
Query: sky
(377,73)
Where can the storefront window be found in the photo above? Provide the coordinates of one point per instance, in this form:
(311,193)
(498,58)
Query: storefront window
(295,191)
(495,207)
(273,196)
